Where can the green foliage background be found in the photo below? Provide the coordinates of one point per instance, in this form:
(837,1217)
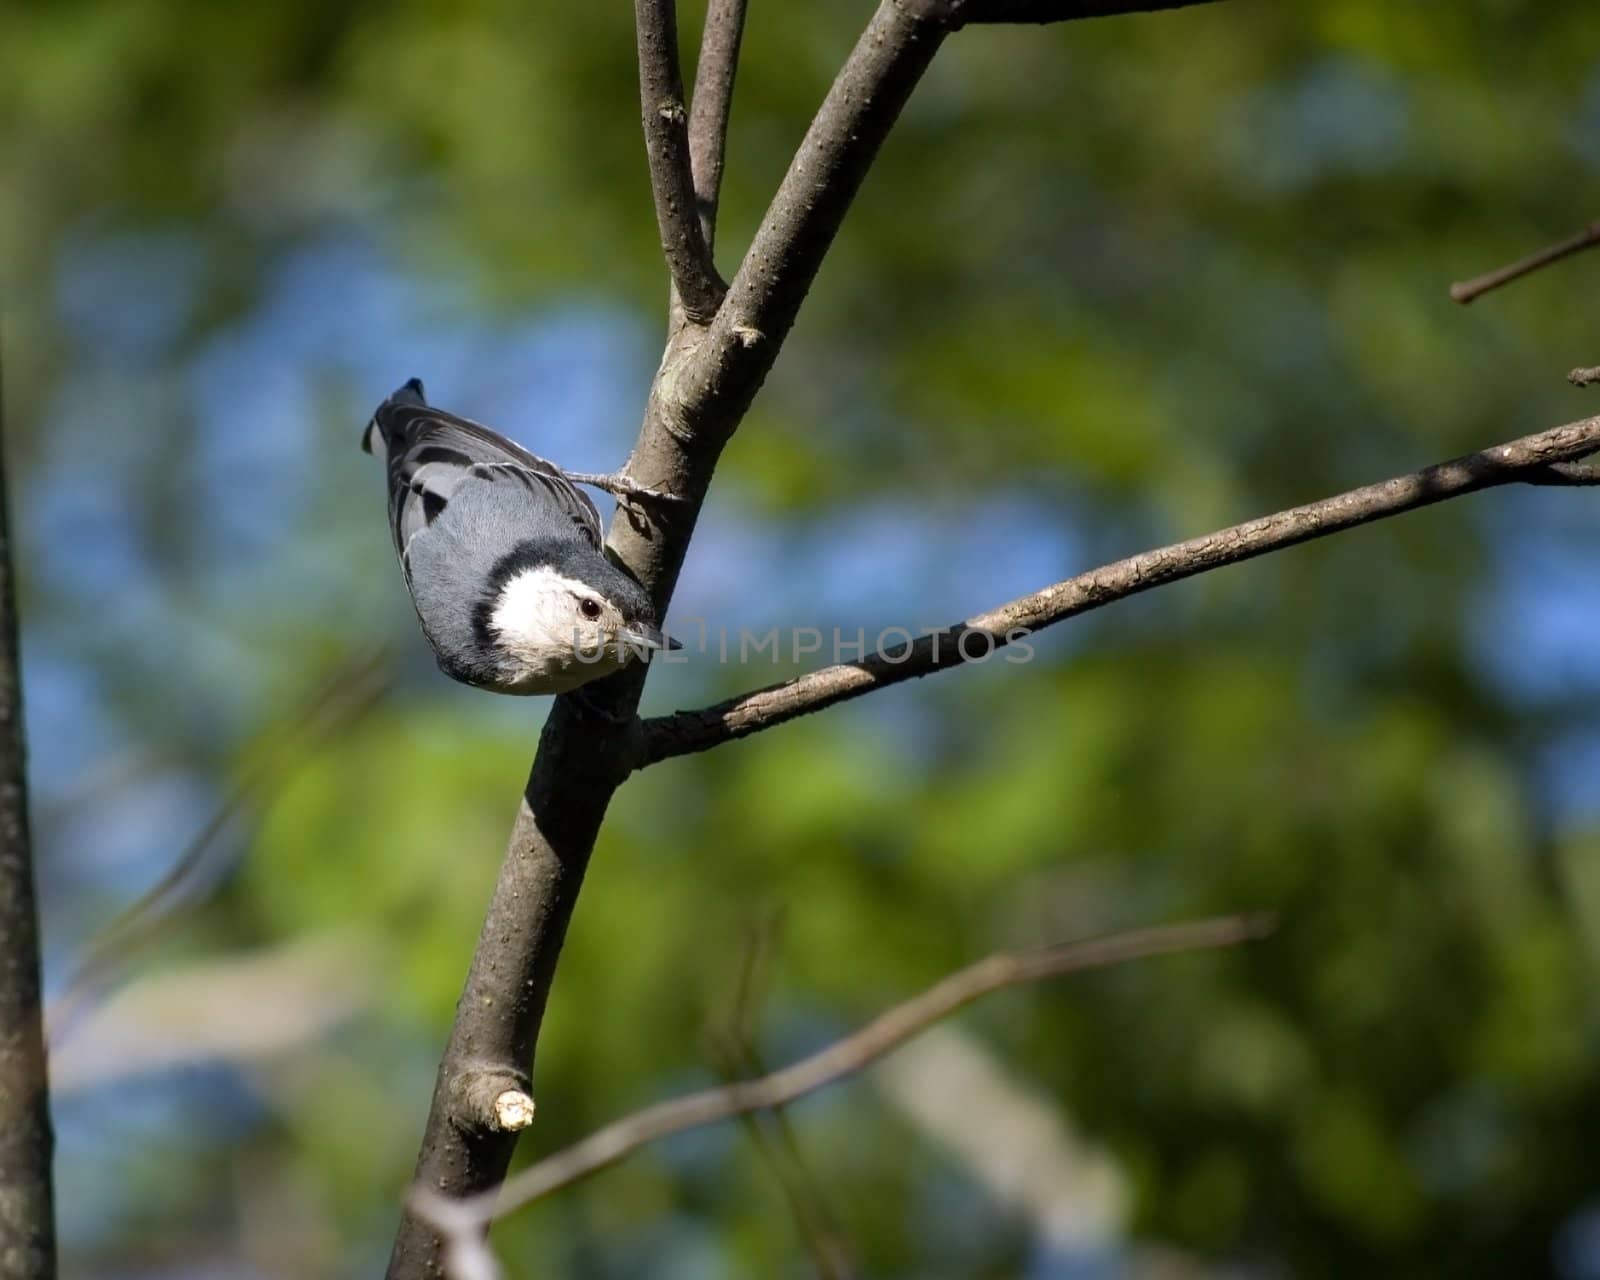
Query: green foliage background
(1110,284)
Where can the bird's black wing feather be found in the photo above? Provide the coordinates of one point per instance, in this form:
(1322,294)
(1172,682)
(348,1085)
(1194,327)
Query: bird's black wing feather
(431,452)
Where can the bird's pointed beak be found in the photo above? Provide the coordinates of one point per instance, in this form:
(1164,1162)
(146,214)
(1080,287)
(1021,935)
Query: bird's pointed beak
(645,636)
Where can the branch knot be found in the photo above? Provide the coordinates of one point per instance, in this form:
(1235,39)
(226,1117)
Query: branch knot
(492,1099)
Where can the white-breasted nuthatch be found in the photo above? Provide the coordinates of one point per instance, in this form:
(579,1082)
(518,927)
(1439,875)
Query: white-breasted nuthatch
(502,555)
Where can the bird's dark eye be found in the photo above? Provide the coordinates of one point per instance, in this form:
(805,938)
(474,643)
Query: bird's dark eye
(589,608)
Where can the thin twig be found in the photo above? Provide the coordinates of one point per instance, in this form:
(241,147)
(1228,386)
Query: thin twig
(1545,458)
(1464,291)
(336,701)
(885,1033)
(711,106)
(779,1149)
(666,135)
(735,1054)
(972,12)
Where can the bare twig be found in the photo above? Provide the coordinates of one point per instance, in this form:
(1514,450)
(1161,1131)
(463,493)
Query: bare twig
(843,1058)
(666,136)
(1545,458)
(1464,291)
(734,1052)
(973,12)
(27,1200)
(1584,377)
(712,104)
(337,700)
(780,1151)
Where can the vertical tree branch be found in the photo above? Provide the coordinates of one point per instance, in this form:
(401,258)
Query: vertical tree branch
(701,391)
(27,1210)
(713,101)
(466,1147)
(666,137)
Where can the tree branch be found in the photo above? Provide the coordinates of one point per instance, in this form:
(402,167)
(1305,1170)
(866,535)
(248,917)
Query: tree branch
(822,181)
(27,1203)
(666,135)
(1545,458)
(1565,475)
(713,102)
(1464,291)
(701,391)
(966,13)
(885,1033)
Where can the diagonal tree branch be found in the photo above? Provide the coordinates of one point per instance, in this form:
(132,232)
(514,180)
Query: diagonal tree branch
(1545,458)
(843,1058)
(666,135)
(1465,291)
(972,12)
(713,102)
(27,1201)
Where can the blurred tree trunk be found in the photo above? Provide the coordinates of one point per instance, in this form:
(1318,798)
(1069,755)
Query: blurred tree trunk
(27,1222)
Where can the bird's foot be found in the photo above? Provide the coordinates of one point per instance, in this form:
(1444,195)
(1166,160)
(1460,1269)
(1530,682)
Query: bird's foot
(620,485)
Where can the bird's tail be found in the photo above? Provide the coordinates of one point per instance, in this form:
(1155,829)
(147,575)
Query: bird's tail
(410,394)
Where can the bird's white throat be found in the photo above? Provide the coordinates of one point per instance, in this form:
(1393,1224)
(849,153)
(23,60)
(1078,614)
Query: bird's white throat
(545,640)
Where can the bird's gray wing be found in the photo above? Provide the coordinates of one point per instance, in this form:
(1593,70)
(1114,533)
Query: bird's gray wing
(432,452)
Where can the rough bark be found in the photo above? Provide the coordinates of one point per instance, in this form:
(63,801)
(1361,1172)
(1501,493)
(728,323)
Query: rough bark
(27,1211)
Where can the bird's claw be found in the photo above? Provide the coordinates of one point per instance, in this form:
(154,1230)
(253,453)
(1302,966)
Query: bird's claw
(619,485)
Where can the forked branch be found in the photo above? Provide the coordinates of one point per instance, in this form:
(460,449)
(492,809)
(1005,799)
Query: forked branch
(1546,458)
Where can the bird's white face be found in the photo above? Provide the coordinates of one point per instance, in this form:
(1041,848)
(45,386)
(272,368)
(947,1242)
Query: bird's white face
(555,633)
